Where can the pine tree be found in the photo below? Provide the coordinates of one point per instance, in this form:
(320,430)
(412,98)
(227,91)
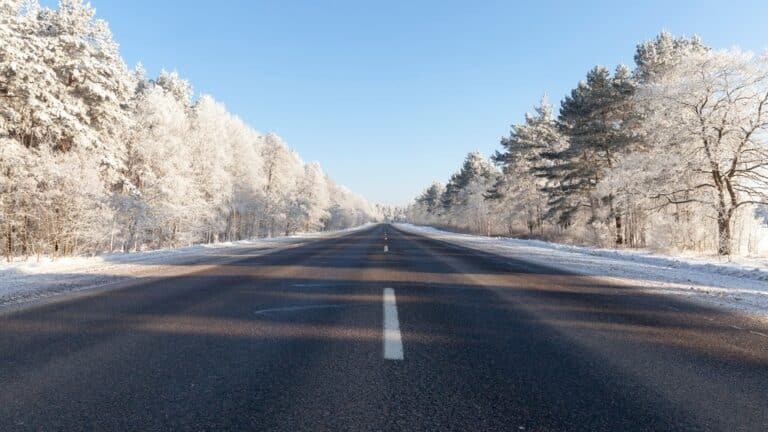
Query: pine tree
(654,58)
(430,198)
(598,127)
(518,190)
(463,200)
(474,166)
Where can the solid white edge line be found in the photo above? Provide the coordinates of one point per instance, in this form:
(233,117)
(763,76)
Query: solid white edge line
(393,341)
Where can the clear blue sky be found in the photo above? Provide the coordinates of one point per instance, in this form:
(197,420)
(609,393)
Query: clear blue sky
(390,95)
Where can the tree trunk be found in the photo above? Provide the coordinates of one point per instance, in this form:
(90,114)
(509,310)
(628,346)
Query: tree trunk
(723,232)
(617,220)
(9,244)
(25,238)
(723,217)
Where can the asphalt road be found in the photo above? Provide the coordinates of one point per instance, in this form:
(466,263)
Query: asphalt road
(310,338)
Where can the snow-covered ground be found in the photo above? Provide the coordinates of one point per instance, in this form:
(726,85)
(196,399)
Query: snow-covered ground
(737,283)
(26,281)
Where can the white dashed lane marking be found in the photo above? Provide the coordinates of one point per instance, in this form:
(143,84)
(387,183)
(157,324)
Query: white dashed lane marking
(393,342)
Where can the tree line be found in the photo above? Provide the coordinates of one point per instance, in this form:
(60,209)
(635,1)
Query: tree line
(671,154)
(97,157)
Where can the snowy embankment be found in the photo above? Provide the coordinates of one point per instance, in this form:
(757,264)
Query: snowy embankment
(26,281)
(737,283)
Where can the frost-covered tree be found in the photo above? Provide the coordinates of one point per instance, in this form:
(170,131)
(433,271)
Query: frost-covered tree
(63,88)
(474,212)
(427,208)
(707,120)
(158,196)
(308,207)
(519,190)
(281,169)
(656,57)
(462,203)
(430,199)
(474,166)
(179,88)
(597,121)
(211,158)
(644,225)
(248,182)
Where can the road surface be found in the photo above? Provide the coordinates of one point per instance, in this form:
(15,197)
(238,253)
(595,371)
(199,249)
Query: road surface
(339,335)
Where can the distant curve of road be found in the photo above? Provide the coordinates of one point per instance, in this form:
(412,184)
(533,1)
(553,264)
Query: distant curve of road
(338,334)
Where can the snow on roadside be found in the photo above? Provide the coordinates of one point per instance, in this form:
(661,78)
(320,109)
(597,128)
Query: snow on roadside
(25,281)
(739,283)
